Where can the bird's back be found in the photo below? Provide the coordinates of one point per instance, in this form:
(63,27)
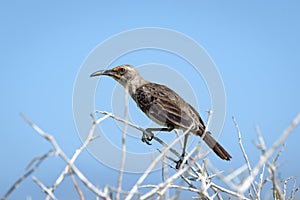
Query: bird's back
(166,107)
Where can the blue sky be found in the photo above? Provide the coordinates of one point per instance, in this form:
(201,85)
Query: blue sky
(255,47)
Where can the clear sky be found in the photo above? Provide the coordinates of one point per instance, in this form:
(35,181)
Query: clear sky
(255,47)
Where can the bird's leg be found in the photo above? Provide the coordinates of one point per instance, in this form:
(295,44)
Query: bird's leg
(179,162)
(148,135)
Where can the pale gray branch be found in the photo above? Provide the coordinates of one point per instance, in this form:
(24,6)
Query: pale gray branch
(59,152)
(263,159)
(44,188)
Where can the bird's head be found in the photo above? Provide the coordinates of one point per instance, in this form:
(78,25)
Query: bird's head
(124,74)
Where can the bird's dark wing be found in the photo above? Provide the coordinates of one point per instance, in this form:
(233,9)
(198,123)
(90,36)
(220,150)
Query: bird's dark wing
(166,107)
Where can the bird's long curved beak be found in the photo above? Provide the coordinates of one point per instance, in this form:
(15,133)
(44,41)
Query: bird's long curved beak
(103,72)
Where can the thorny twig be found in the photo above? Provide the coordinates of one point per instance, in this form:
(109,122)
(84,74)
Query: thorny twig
(192,172)
(76,186)
(120,179)
(152,165)
(59,152)
(263,159)
(245,155)
(44,188)
(29,171)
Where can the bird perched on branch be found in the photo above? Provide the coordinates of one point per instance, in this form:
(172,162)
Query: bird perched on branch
(163,106)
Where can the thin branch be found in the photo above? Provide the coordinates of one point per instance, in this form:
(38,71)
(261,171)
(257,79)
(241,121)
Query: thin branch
(165,175)
(89,138)
(294,190)
(219,174)
(279,153)
(176,175)
(152,165)
(29,171)
(113,189)
(76,186)
(173,186)
(285,181)
(120,179)
(277,193)
(44,188)
(235,173)
(263,159)
(183,177)
(193,171)
(140,129)
(177,135)
(244,154)
(261,145)
(234,194)
(261,181)
(59,152)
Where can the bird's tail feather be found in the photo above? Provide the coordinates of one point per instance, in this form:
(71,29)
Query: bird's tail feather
(215,146)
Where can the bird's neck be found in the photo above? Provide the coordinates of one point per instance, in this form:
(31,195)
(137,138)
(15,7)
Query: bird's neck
(135,83)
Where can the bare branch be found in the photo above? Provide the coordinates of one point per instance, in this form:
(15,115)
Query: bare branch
(277,193)
(44,188)
(195,177)
(234,194)
(261,145)
(279,153)
(179,173)
(59,152)
(263,159)
(140,129)
(76,186)
(120,179)
(152,165)
(244,154)
(89,138)
(29,171)
(294,189)
(261,181)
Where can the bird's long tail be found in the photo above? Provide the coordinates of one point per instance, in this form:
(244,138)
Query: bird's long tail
(215,146)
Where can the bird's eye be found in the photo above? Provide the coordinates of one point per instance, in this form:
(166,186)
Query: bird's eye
(122,70)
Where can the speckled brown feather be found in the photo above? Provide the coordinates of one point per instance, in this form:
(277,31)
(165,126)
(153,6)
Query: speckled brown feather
(167,108)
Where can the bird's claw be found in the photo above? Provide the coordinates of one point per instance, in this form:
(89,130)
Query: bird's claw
(147,137)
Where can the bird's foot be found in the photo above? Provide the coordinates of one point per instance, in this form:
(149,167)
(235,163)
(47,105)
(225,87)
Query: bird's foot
(147,137)
(179,162)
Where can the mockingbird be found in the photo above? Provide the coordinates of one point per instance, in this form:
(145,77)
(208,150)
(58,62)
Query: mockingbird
(163,106)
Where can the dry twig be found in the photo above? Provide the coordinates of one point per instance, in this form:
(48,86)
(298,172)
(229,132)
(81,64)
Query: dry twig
(120,179)
(29,171)
(44,188)
(245,155)
(59,152)
(190,173)
(263,159)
